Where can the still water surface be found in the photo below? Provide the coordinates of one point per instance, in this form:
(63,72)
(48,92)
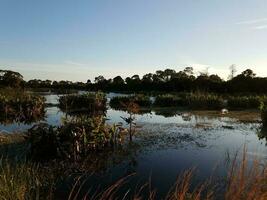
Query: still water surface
(173,141)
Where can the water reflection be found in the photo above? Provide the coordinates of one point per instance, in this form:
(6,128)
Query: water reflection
(168,141)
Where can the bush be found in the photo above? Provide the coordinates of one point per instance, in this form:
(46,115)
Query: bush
(85,102)
(192,100)
(168,101)
(204,101)
(72,139)
(120,101)
(244,102)
(20,106)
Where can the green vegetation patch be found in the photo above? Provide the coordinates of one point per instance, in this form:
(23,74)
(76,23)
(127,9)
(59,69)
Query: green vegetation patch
(121,101)
(84,102)
(20,106)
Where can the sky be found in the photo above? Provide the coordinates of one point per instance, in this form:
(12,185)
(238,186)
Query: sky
(80,39)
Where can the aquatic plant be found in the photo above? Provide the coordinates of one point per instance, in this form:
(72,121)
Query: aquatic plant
(25,181)
(20,106)
(131,108)
(168,100)
(92,102)
(190,100)
(73,139)
(244,102)
(140,100)
(204,101)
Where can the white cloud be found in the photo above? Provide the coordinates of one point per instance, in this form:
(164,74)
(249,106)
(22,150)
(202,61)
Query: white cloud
(260,27)
(254,21)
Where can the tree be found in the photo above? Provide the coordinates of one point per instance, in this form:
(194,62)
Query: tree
(99,79)
(168,73)
(248,73)
(118,80)
(189,71)
(10,78)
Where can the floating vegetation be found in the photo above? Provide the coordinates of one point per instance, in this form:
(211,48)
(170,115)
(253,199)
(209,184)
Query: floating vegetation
(19,106)
(89,102)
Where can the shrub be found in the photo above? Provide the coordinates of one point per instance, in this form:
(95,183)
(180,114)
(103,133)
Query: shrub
(120,101)
(168,101)
(204,101)
(72,139)
(244,102)
(85,102)
(20,106)
(192,100)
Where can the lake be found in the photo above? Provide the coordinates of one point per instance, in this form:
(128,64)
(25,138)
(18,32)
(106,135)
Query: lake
(170,141)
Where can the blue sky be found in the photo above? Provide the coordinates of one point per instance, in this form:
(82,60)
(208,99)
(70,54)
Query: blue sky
(78,40)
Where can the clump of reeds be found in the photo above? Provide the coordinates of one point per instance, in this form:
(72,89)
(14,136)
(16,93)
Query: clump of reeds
(23,180)
(92,102)
(190,100)
(73,139)
(20,106)
(204,101)
(244,102)
(169,100)
(120,101)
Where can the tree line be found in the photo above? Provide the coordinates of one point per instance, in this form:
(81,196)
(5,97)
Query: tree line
(167,80)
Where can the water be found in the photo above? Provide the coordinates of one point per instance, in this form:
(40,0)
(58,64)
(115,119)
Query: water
(172,141)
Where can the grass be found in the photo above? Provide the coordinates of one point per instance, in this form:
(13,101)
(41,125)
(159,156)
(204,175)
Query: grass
(83,102)
(24,181)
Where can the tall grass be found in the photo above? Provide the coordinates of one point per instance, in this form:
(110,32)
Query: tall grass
(24,181)
(20,106)
(120,101)
(169,100)
(244,102)
(84,102)
(191,100)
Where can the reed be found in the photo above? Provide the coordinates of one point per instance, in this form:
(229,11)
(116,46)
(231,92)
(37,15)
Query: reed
(119,101)
(20,106)
(74,139)
(24,181)
(244,102)
(92,102)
